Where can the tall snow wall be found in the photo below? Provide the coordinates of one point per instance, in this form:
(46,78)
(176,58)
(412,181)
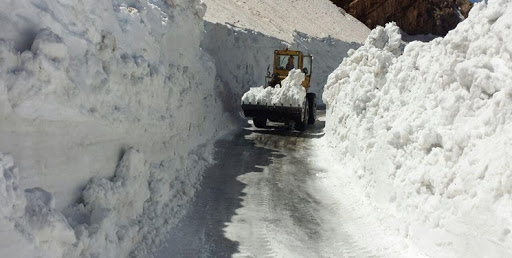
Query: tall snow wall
(426,131)
(118,91)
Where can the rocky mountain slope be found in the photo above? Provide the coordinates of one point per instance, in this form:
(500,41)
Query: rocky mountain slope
(413,16)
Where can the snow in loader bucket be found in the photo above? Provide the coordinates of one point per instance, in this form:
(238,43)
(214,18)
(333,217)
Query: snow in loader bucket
(283,103)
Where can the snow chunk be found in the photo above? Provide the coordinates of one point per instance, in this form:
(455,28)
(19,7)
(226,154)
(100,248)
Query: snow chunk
(41,87)
(11,196)
(125,194)
(387,38)
(12,203)
(47,224)
(289,93)
(49,44)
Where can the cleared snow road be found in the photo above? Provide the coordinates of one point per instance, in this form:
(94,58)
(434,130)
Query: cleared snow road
(263,198)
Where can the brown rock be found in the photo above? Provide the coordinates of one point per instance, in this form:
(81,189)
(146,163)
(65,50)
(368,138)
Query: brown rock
(413,16)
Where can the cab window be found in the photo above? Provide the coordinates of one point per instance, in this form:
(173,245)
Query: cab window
(307,63)
(284,62)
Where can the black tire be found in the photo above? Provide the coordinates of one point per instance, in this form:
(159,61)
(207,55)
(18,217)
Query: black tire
(312,107)
(301,125)
(260,122)
(290,125)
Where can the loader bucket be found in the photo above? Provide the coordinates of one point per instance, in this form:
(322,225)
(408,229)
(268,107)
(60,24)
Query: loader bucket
(273,113)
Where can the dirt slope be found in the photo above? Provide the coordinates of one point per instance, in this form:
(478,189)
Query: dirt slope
(413,16)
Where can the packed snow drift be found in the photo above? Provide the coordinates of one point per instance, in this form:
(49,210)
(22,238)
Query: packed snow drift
(426,130)
(108,111)
(289,93)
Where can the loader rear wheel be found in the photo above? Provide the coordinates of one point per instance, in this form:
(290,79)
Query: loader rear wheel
(312,108)
(260,122)
(300,126)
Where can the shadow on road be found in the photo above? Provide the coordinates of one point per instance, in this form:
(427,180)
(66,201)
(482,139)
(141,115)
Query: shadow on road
(201,232)
(312,132)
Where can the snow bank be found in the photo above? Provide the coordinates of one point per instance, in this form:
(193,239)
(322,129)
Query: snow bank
(82,85)
(289,93)
(426,131)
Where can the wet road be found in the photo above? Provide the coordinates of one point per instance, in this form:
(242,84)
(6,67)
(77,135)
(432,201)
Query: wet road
(261,199)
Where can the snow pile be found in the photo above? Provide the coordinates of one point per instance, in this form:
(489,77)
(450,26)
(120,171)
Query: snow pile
(289,93)
(86,86)
(81,83)
(427,131)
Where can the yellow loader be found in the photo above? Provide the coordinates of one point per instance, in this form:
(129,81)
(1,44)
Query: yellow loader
(295,117)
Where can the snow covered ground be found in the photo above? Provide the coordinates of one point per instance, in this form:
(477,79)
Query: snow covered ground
(425,130)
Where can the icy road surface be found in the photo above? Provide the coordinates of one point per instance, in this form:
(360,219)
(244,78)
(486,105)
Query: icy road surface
(264,198)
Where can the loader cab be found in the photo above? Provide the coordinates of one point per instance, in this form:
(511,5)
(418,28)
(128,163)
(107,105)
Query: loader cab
(284,60)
